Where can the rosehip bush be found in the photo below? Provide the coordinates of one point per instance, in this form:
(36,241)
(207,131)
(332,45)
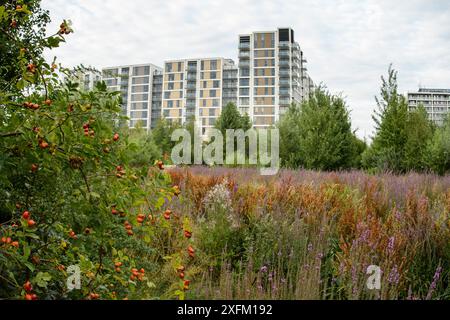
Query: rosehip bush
(69,196)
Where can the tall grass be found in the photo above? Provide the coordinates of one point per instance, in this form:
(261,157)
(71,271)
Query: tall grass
(312,235)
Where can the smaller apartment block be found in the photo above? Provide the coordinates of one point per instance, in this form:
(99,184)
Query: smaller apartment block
(198,88)
(435,101)
(141,91)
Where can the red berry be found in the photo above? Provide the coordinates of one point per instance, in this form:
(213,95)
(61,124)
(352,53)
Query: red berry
(26,215)
(31,223)
(116,137)
(27,286)
(187,234)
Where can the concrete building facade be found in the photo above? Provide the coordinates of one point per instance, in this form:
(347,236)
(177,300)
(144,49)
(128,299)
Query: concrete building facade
(272,75)
(141,89)
(198,88)
(435,101)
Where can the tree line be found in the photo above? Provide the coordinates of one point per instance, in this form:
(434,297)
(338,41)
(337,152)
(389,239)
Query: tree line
(317,134)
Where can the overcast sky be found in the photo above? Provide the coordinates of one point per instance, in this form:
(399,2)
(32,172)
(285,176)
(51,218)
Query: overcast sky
(348,44)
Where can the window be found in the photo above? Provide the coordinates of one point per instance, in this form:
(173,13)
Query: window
(213,75)
(141,71)
(139,89)
(170,104)
(212,112)
(244,91)
(140,80)
(244,72)
(215,103)
(244,82)
(213,93)
(139,105)
(168,67)
(142,123)
(216,83)
(213,65)
(139,97)
(171,77)
(111,82)
(138,114)
(170,86)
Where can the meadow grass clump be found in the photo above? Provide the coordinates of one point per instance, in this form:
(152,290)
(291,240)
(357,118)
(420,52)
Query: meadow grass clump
(313,235)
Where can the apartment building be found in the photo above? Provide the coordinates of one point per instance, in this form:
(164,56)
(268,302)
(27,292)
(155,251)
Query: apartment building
(141,91)
(198,88)
(272,75)
(435,101)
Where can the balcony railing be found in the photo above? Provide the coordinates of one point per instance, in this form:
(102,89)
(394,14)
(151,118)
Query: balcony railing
(244,54)
(230,85)
(244,64)
(284,44)
(284,53)
(244,45)
(284,73)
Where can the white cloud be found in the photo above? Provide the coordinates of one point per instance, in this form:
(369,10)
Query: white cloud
(349,44)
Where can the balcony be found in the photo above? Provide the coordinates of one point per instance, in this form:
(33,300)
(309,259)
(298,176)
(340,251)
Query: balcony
(230,85)
(244,64)
(284,53)
(190,95)
(284,44)
(244,45)
(285,73)
(244,55)
(191,78)
(285,82)
(191,68)
(191,86)
(285,101)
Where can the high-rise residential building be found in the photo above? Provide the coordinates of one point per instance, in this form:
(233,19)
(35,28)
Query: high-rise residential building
(198,88)
(435,101)
(272,75)
(141,91)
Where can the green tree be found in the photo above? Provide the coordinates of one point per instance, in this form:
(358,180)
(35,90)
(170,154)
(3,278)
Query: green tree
(27,21)
(419,131)
(318,135)
(387,151)
(142,148)
(438,149)
(290,131)
(162,135)
(230,118)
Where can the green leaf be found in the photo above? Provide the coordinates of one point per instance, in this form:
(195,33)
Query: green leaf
(29,265)
(42,279)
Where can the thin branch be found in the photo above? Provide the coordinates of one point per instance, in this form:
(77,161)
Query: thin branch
(10,134)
